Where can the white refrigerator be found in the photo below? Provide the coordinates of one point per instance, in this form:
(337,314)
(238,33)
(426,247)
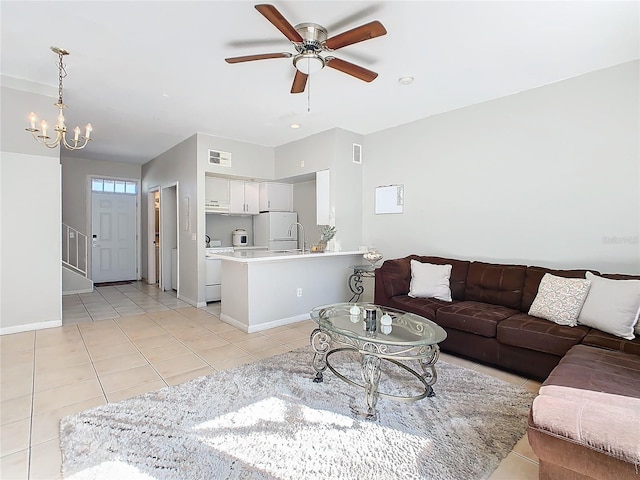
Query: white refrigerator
(271,229)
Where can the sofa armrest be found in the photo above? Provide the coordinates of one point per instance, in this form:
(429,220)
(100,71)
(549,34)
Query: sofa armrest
(380,296)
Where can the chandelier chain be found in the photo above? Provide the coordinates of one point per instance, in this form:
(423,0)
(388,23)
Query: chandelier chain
(62,72)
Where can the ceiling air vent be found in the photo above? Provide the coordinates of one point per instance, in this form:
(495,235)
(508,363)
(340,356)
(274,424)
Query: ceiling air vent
(357,153)
(222,159)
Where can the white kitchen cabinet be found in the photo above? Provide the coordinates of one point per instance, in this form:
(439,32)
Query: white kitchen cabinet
(276,197)
(216,195)
(244,197)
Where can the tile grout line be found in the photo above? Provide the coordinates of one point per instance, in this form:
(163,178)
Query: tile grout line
(33,394)
(92,363)
(525,457)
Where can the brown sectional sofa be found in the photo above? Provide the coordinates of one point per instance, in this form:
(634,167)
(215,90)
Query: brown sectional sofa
(585,422)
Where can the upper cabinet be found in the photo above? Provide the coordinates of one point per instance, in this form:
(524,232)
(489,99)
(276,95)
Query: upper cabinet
(216,195)
(276,197)
(243,197)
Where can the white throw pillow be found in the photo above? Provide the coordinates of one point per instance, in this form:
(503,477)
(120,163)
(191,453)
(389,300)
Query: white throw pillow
(612,306)
(430,281)
(560,299)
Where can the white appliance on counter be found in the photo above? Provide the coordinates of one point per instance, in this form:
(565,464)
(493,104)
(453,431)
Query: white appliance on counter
(240,237)
(271,229)
(213,272)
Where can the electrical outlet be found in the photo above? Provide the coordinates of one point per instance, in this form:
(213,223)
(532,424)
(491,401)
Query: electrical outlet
(299,292)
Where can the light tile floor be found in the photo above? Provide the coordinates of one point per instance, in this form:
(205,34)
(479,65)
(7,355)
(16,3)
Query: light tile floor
(119,342)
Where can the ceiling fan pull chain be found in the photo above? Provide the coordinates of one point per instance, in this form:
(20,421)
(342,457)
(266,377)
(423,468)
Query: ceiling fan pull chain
(309,95)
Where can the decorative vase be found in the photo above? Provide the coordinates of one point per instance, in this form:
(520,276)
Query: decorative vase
(372,256)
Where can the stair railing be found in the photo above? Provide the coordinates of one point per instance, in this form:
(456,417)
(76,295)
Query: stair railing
(75,252)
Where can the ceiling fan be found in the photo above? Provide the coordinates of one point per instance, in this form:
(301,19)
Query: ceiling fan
(310,40)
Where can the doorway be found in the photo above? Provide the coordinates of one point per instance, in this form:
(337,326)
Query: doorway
(169,238)
(153,236)
(113,237)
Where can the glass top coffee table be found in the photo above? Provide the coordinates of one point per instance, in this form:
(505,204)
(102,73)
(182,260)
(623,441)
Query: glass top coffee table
(378,333)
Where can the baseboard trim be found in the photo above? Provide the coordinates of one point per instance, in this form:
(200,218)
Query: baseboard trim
(75,292)
(30,326)
(191,302)
(263,326)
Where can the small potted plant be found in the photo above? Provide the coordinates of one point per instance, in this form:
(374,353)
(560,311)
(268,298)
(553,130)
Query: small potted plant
(328,233)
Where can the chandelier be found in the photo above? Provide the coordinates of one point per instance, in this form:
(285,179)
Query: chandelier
(41,136)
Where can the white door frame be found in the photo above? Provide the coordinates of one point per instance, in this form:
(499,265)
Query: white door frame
(165,249)
(89,218)
(151,234)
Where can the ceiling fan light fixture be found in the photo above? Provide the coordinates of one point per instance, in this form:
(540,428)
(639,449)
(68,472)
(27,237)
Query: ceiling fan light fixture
(308,63)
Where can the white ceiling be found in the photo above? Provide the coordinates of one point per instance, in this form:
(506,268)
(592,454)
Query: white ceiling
(149,74)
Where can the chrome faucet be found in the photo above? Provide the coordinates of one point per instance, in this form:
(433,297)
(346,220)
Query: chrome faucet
(304,237)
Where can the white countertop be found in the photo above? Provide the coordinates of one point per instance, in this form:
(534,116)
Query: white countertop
(267,256)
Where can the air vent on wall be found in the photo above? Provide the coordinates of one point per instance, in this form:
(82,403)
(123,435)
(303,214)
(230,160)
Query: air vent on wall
(222,159)
(357,153)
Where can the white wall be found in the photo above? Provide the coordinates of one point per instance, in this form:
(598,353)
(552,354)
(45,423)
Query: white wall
(30,219)
(178,164)
(304,203)
(247,160)
(331,150)
(549,176)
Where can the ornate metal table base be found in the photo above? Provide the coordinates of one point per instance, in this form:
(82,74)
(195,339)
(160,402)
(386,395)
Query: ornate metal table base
(355,280)
(372,354)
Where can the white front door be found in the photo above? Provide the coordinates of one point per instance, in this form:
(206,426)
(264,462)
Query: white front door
(113,234)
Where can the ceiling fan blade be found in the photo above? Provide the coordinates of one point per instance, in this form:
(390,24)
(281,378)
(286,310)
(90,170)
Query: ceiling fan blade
(299,82)
(351,69)
(263,56)
(359,34)
(272,14)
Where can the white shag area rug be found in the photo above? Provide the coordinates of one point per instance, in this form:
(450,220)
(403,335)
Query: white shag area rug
(269,420)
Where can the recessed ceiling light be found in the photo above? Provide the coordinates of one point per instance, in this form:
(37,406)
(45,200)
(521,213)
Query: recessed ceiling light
(294,125)
(406,80)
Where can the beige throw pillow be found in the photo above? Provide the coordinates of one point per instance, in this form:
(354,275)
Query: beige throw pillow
(560,299)
(612,306)
(430,281)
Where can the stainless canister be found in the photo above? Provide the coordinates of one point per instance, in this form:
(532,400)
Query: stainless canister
(370,319)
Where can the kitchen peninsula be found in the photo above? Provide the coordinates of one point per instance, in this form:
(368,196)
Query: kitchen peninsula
(266,289)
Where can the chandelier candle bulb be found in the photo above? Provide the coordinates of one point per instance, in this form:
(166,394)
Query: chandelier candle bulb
(33,119)
(76,134)
(89,130)
(43,126)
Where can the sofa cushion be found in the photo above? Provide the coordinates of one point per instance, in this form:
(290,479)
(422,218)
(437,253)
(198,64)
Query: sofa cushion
(592,398)
(496,284)
(533,333)
(458,278)
(396,274)
(560,299)
(532,280)
(612,306)
(429,280)
(425,307)
(591,368)
(597,338)
(473,317)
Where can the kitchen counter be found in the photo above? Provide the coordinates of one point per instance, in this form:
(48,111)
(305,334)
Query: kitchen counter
(266,289)
(256,255)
